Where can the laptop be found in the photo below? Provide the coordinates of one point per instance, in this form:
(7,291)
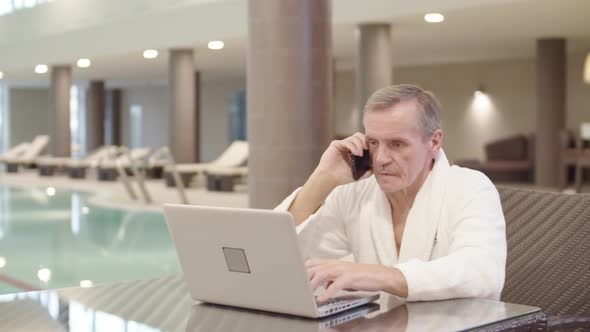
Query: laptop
(247,258)
(208,317)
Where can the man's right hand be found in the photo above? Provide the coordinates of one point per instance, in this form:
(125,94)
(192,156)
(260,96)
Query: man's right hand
(334,169)
(336,161)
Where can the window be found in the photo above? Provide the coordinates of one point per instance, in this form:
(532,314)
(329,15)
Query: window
(78,121)
(4,119)
(135,126)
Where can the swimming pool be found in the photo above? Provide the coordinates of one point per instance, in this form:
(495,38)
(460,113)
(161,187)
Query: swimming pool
(53,238)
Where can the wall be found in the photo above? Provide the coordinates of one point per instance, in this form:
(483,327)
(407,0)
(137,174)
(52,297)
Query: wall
(29,113)
(509,83)
(214,125)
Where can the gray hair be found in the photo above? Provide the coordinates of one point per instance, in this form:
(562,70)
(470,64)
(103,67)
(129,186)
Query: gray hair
(430,107)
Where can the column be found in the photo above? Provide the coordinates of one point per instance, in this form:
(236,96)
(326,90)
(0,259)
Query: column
(197,129)
(289,94)
(374,69)
(59,106)
(183,137)
(96,115)
(551,98)
(113,117)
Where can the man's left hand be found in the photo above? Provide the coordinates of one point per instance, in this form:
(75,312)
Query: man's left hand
(340,275)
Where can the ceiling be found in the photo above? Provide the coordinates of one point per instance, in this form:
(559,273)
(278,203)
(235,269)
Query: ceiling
(113,34)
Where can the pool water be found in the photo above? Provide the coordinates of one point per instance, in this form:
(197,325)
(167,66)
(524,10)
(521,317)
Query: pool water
(52,238)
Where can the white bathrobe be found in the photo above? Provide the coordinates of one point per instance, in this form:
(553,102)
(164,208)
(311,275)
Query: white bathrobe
(454,242)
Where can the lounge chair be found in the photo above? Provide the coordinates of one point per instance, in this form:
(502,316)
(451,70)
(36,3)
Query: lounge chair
(107,169)
(26,156)
(232,158)
(224,178)
(76,168)
(14,152)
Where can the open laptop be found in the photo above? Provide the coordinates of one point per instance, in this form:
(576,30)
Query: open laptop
(247,258)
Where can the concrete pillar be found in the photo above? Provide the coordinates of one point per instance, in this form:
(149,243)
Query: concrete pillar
(96,115)
(59,106)
(289,94)
(551,109)
(374,68)
(113,117)
(183,137)
(197,129)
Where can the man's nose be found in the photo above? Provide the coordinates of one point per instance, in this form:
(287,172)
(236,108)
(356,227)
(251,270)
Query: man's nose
(381,157)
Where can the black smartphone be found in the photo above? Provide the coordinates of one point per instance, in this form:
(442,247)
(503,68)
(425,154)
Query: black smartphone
(360,165)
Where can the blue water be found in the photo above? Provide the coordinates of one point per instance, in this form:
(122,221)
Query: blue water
(52,238)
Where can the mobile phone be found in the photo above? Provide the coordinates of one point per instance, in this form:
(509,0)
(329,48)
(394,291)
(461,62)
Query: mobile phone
(360,165)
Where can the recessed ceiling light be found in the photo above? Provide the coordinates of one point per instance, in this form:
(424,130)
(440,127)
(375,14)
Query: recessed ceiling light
(1,75)
(215,45)
(83,63)
(150,54)
(41,69)
(434,18)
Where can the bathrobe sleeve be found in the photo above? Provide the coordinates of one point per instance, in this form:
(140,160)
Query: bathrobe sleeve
(323,234)
(475,263)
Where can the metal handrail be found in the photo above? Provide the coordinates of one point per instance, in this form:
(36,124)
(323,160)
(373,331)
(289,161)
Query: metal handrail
(121,171)
(165,154)
(139,176)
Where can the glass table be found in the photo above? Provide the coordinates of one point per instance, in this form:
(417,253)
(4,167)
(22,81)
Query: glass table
(164,305)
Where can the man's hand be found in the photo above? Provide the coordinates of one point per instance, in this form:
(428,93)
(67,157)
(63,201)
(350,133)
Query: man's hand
(348,276)
(336,162)
(333,170)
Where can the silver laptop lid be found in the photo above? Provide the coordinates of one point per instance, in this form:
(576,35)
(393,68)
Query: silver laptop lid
(241,257)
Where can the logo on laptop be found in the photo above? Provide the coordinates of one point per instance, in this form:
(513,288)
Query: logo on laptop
(235,259)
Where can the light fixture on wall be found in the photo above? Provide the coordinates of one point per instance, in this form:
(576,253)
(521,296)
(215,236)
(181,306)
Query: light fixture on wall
(1,75)
(587,69)
(481,100)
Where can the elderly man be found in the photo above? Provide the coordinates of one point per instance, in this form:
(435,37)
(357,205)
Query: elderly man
(414,226)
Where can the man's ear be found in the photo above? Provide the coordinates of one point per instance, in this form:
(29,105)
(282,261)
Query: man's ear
(436,141)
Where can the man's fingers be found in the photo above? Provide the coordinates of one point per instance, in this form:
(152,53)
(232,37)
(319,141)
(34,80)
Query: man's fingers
(363,139)
(347,146)
(319,278)
(334,287)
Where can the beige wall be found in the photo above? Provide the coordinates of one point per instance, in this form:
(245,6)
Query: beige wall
(509,83)
(214,124)
(29,113)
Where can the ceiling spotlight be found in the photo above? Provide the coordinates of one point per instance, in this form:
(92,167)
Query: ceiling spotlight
(41,69)
(434,18)
(215,45)
(150,54)
(83,63)
(50,191)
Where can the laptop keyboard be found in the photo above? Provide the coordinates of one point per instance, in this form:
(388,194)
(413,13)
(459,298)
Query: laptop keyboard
(330,301)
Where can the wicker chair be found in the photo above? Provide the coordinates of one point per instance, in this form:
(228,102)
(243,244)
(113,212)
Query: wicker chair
(548,263)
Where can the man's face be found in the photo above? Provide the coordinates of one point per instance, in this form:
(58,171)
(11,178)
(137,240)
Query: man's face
(399,153)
